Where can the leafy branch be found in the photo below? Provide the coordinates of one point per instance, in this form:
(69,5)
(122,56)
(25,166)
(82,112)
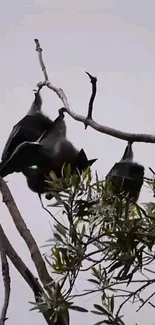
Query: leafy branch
(113,235)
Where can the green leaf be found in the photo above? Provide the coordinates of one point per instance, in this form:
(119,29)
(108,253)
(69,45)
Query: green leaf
(82,233)
(101,309)
(138,211)
(74,180)
(55,317)
(53,175)
(93,281)
(85,173)
(58,261)
(61,229)
(78,308)
(34,308)
(115,266)
(67,170)
(95,272)
(112,304)
(96,312)
(58,237)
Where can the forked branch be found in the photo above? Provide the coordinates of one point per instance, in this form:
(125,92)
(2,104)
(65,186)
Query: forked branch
(134,137)
(25,234)
(26,274)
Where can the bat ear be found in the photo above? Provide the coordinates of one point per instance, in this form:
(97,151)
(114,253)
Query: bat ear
(91,161)
(82,160)
(82,155)
(42,136)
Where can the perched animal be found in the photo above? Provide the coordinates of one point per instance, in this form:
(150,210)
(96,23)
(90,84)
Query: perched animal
(30,128)
(36,177)
(126,176)
(40,152)
(49,152)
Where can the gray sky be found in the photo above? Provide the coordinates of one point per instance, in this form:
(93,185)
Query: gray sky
(113,39)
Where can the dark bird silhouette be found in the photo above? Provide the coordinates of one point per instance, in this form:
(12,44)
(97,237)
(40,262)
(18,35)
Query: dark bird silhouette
(30,128)
(49,152)
(126,176)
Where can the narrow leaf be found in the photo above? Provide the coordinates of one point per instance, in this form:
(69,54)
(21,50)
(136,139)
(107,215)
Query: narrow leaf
(101,309)
(112,304)
(78,308)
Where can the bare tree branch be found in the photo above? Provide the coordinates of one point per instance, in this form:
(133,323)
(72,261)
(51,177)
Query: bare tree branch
(93,81)
(15,259)
(27,275)
(46,82)
(6,279)
(25,234)
(39,50)
(135,137)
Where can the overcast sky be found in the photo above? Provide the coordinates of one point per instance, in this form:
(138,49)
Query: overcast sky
(112,39)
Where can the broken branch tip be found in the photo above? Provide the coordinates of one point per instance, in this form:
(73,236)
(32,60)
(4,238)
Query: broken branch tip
(92,78)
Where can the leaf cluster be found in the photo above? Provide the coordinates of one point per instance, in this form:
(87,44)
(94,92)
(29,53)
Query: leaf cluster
(106,236)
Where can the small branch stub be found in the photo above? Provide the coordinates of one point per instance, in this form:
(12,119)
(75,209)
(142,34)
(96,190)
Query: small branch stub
(93,81)
(39,50)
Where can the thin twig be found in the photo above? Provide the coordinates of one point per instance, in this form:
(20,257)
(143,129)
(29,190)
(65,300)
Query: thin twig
(134,137)
(93,81)
(46,82)
(39,50)
(152,171)
(50,213)
(145,301)
(6,279)
(133,294)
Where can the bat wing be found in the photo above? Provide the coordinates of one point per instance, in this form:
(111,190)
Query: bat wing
(12,142)
(27,129)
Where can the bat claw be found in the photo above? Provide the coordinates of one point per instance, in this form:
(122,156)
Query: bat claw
(62,110)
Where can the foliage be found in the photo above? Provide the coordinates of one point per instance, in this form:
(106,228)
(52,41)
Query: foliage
(108,237)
